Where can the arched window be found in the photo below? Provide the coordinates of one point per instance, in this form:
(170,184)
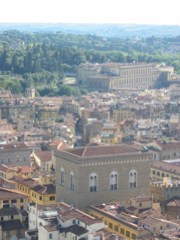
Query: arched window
(62,176)
(72,181)
(133,179)
(93,182)
(113,180)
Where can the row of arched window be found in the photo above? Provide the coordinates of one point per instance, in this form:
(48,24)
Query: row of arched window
(93,180)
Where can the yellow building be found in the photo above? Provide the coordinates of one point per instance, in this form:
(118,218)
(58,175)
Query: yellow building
(11,197)
(7,172)
(120,115)
(162,169)
(118,221)
(41,194)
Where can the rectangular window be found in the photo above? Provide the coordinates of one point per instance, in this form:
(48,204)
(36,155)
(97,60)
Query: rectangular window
(22,200)
(127,234)
(116,228)
(52,198)
(110,225)
(133,236)
(13,201)
(122,231)
(50,236)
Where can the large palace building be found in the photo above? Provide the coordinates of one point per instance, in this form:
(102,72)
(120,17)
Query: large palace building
(101,174)
(108,76)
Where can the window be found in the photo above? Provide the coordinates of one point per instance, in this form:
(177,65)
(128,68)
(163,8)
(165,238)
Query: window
(113,181)
(22,200)
(140,204)
(154,172)
(127,233)
(110,225)
(62,177)
(72,181)
(133,179)
(122,231)
(13,201)
(116,228)
(133,236)
(162,175)
(12,217)
(93,182)
(40,198)
(50,236)
(52,198)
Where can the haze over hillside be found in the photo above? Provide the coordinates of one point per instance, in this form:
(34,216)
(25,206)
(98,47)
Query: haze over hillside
(104,30)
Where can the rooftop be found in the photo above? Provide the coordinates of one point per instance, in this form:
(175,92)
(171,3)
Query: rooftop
(7,194)
(164,166)
(104,150)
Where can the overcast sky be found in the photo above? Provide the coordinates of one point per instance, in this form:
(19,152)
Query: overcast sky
(91,11)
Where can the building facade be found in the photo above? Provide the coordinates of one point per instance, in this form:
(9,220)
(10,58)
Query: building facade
(122,76)
(97,174)
(15,154)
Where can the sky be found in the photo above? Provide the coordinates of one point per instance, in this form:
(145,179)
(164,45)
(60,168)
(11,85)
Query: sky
(91,11)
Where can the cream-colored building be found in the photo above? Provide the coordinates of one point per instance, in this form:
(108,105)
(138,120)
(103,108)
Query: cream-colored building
(122,76)
(97,174)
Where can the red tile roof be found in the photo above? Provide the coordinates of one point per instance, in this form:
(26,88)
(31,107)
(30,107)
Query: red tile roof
(45,189)
(168,167)
(93,151)
(13,146)
(7,194)
(26,169)
(44,156)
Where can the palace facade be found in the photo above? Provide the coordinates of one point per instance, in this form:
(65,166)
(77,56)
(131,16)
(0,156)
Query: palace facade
(108,76)
(101,174)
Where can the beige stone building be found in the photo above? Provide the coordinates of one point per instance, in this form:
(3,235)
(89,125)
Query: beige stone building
(97,174)
(122,76)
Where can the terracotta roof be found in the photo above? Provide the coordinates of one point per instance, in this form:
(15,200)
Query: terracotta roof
(26,169)
(45,189)
(6,168)
(15,146)
(76,230)
(68,212)
(174,202)
(29,182)
(93,151)
(44,156)
(169,145)
(7,194)
(168,167)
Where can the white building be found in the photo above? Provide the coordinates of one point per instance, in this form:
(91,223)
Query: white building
(61,221)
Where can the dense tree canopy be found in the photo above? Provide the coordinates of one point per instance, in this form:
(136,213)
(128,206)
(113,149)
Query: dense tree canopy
(43,59)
